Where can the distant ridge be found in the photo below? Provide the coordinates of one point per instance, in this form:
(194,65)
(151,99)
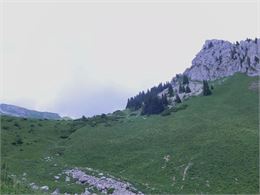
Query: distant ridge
(12,110)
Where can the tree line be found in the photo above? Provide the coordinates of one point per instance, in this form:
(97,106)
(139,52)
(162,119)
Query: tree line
(150,103)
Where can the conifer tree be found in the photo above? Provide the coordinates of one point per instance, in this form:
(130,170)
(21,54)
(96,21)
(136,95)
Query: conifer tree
(181,89)
(185,80)
(206,90)
(177,99)
(164,100)
(187,90)
(170,90)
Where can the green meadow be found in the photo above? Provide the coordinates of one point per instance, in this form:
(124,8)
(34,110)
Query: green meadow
(209,145)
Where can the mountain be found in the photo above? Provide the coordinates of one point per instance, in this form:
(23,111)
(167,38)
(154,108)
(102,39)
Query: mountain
(11,110)
(220,58)
(217,59)
(198,145)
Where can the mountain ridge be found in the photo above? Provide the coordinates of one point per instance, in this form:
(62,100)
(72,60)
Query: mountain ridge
(17,111)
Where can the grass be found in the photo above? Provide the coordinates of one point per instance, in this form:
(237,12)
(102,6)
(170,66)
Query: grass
(215,140)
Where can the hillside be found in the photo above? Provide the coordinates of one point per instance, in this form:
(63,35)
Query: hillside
(12,110)
(211,145)
(217,59)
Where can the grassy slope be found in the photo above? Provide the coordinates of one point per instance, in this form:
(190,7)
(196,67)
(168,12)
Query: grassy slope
(218,135)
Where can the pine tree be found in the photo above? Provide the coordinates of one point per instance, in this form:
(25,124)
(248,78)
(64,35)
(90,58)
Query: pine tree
(185,80)
(187,90)
(170,90)
(177,99)
(165,100)
(152,105)
(181,89)
(206,90)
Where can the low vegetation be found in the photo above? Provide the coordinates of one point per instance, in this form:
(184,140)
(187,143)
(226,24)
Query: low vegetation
(207,144)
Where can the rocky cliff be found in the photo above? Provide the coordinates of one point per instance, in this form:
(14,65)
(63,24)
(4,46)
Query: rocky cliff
(219,58)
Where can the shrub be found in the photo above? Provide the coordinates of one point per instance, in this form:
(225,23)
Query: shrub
(17,125)
(206,90)
(166,112)
(177,99)
(64,136)
(103,116)
(178,108)
(110,190)
(5,127)
(133,114)
(18,140)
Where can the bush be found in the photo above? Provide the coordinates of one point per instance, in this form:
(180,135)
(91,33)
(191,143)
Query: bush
(133,114)
(5,127)
(110,191)
(181,107)
(103,116)
(64,136)
(177,99)
(18,141)
(206,90)
(166,112)
(17,125)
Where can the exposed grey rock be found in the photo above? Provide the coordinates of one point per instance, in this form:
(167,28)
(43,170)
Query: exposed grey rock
(220,58)
(56,191)
(44,188)
(34,186)
(86,192)
(56,177)
(103,184)
(67,179)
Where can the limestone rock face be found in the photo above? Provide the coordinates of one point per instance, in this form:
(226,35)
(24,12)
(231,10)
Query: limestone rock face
(220,58)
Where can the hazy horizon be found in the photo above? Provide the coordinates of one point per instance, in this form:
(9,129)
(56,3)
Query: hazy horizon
(87,58)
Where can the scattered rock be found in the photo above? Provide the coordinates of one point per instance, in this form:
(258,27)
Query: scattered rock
(86,192)
(166,158)
(67,179)
(56,191)
(44,188)
(56,177)
(34,186)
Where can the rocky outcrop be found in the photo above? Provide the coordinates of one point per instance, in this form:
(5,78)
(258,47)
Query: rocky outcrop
(104,184)
(220,58)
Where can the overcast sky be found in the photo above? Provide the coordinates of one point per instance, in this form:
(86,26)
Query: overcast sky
(85,57)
